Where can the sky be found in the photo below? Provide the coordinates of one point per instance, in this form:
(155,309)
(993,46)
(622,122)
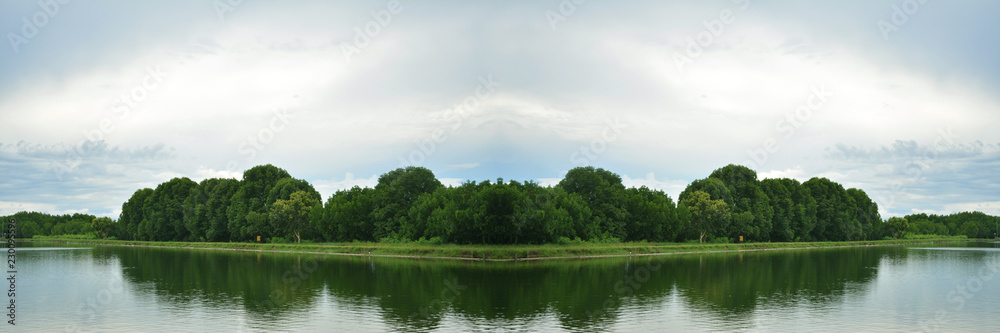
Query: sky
(101,98)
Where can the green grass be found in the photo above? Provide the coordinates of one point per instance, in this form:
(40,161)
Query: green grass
(57,237)
(500,252)
(959,237)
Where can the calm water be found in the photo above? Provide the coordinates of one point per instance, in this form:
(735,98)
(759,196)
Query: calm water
(945,288)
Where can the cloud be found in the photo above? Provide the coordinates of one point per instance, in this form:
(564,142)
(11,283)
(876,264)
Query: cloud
(546,182)
(326,188)
(94,177)
(464,166)
(9,208)
(452,182)
(908,176)
(212,111)
(793,173)
(671,187)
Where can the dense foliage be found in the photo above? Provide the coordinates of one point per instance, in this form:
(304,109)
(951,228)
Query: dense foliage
(589,204)
(31,224)
(970,224)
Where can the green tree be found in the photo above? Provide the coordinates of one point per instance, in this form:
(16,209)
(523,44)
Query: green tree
(103,226)
(865,212)
(746,195)
(424,217)
(836,211)
(347,216)
(653,216)
(794,209)
(133,213)
(496,219)
(395,193)
(165,209)
(205,209)
(252,197)
(780,199)
(292,215)
(707,215)
(716,190)
(536,226)
(896,226)
(604,193)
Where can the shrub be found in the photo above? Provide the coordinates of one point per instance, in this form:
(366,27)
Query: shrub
(720,240)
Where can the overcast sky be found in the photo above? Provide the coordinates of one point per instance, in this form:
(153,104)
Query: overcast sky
(897,98)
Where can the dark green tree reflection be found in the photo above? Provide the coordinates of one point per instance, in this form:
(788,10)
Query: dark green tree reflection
(418,294)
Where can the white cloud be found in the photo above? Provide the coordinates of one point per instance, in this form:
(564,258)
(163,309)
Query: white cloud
(204,173)
(671,187)
(451,182)
(464,166)
(793,173)
(326,188)
(988,207)
(9,208)
(216,102)
(546,182)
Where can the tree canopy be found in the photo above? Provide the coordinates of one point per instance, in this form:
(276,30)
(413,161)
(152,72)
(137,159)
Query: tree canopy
(588,204)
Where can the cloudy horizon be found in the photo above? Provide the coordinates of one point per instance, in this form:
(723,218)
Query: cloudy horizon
(897,98)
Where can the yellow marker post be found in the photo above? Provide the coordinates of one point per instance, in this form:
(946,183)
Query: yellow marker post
(258,238)
(741,238)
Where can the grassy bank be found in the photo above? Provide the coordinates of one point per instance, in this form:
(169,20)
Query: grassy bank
(499,252)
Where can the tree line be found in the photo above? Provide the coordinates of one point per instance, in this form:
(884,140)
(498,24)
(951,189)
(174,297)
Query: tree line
(588,204)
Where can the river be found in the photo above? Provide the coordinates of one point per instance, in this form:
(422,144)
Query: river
(949,288)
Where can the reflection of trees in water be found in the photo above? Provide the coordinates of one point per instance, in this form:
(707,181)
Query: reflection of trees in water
(582,294)
(266,285)
(733,285)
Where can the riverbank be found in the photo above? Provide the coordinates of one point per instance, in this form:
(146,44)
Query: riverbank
(499,252)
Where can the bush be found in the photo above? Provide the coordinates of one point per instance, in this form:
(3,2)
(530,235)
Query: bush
(720,240)
(436,240)
(606,240)
(278,240)
(563,240)
(393,240)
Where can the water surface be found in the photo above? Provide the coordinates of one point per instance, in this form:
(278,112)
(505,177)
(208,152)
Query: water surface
(954,287)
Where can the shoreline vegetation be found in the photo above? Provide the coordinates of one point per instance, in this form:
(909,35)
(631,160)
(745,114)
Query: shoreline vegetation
(588,205)
(500,252)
